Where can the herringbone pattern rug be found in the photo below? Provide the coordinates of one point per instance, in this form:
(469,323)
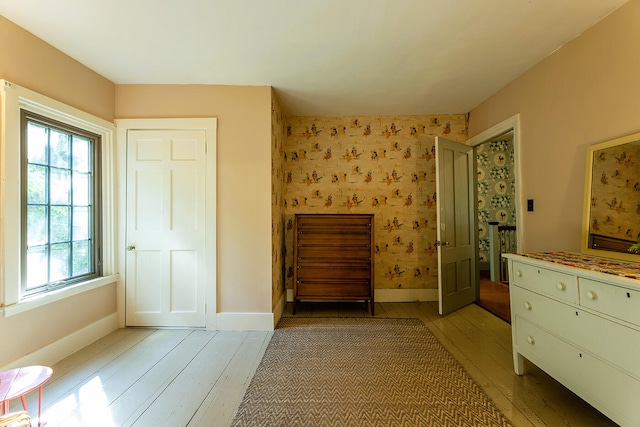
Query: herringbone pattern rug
(362,372)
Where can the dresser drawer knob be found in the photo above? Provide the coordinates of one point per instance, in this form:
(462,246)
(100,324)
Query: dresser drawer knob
(591,295)
(530,339)
(527,305)
(519,273)
(561,286)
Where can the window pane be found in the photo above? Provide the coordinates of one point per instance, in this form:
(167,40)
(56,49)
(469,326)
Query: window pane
(37,184)
(37,226)
(81,258)
(81,224)
(59,262)
(59,149)
(80,189)
(60,228)
(81,154)
(37,141)
(60,190)
(37,266)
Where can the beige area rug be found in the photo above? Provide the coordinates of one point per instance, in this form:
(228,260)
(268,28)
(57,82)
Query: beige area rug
(362,372)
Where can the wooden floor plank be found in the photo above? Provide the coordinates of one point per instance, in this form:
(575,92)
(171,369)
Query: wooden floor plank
(93,350)
(131,404)
(72,372)
(111,380)
(221,403)
(181,399)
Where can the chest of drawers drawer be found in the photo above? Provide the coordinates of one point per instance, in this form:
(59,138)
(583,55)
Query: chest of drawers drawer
(546,281)
(333,253)
(319,289)
(614,301)
(344,272)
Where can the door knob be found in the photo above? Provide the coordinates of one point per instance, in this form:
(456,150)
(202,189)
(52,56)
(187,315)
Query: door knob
(131,247)
(440,243)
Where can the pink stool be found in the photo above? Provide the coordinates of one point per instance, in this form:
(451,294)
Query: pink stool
(18,382)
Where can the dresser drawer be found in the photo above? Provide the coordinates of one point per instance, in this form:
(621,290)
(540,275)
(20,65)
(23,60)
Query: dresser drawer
(618,344)
(610,390)
(334,240)
(537,308)
(614,301)
(314,272)
(333,290)
(549,282)
(347,253)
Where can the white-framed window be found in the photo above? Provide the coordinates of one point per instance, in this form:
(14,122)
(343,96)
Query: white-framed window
(57,200)
(60,196)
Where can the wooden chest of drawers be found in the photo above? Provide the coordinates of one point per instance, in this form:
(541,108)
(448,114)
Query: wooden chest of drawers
(333,257)
(581,327)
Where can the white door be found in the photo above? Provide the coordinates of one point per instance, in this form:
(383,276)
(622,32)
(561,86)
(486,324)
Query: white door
(165,231)
(456,207)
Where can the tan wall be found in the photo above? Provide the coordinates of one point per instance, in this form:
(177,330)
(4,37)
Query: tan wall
(28,61)
(586,92)
(31,63)
(244,178)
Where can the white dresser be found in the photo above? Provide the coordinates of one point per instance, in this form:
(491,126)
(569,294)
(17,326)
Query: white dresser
(577,317)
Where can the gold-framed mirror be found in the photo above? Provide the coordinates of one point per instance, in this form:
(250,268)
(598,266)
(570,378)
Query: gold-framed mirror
(611,219)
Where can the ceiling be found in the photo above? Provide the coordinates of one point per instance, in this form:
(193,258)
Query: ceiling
(323,57)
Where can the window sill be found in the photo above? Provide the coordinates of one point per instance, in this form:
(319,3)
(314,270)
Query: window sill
(53,296)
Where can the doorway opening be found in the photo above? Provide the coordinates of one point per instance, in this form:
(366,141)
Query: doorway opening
(495,180)
(499,215)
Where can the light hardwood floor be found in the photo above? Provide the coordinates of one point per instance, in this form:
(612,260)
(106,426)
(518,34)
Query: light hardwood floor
(146,377)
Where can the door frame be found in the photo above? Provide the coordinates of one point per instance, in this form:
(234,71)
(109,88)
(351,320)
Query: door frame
(512,123)
(209,125)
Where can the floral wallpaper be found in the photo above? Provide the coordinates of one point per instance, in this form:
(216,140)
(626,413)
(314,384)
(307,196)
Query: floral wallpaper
(277,203)
(615,201)
(496,188)
(381,165)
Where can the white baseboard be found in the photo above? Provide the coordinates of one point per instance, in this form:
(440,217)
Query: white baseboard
(68,345)
(395,295)
(245,321)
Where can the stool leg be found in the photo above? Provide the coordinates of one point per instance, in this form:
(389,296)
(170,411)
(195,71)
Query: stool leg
(39,405)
